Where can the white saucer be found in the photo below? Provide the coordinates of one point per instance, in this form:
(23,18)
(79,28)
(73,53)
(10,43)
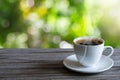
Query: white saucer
(104,64)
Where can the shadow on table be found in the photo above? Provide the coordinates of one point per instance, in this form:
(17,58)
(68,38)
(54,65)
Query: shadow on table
(56,67)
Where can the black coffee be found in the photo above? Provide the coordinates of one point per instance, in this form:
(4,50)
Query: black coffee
(89,42)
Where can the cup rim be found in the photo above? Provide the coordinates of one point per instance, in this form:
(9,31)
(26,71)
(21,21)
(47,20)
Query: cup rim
(88,37)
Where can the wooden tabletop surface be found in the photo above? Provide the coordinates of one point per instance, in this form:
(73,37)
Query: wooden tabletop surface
(47,64)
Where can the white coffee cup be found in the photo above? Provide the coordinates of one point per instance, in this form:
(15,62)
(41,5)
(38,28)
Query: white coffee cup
(89,55)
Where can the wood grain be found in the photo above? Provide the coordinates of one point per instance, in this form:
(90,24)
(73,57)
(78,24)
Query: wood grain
(47,64)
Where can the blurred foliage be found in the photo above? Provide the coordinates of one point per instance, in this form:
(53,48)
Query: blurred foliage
(53,23)
(12,25)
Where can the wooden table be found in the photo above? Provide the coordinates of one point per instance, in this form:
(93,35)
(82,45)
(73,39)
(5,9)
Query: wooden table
(46,64)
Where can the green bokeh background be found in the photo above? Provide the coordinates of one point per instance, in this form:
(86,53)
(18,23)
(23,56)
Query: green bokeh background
(52,23)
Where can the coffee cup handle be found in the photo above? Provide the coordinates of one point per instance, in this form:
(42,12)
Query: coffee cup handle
(109,47)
